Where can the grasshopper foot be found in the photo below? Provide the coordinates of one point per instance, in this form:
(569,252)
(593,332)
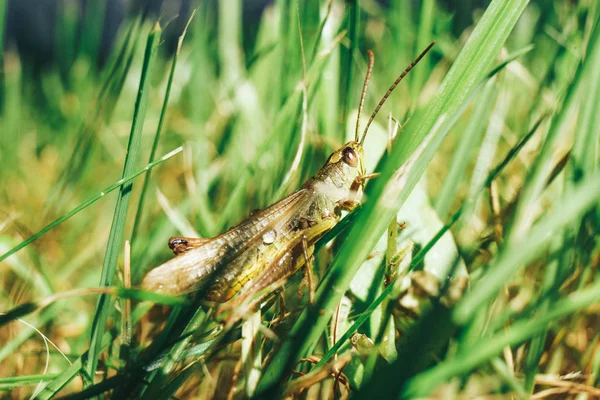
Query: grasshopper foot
(349,205)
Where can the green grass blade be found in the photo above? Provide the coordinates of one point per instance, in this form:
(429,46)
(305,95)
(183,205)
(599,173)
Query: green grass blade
(138,215)
(14,382)
(470,140)
(155,387)
(80,156)
(584,156)
(51,389)
(352,27)
(542,169)
(230,38)
(89,202)
(424,37)
(118,226)
(3,8)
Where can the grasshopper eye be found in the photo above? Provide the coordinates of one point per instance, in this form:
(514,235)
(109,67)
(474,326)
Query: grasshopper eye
(349,156)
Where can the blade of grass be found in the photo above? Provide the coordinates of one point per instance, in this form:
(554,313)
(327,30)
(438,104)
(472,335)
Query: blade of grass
(320,30)
(29,273)
(91,36)
(230,40)
(118,226)
(488,147)
(509,377)
(584,156)
(161,120)
(295,164)
(469,141)
(3,8)
(424,37)
(127,179)
(542,168)
(388,194)
(550,292)
(353,21)
(155,386)
(51,389)
(12,107)
(134,294)
(582,160)
(79,156)
(13,382)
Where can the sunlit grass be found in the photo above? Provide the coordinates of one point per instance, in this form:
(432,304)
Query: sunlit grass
(498,138)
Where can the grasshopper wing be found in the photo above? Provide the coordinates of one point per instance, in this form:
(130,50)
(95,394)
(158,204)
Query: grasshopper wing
(199,267)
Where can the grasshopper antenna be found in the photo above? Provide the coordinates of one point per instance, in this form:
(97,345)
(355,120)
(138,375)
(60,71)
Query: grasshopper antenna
(364,92)
(391,89)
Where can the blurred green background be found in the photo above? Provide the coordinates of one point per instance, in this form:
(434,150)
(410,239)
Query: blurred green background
(501,117)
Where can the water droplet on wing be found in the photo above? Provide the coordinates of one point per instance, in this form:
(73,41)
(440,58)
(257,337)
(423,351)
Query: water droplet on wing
(269,237)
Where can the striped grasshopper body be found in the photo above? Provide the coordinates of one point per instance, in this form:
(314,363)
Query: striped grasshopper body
(268,246)
(260,253)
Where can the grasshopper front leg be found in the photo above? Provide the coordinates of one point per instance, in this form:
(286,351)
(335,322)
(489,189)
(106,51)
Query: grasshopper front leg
(354,194)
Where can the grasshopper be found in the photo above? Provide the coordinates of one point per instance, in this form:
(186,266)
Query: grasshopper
(267,248)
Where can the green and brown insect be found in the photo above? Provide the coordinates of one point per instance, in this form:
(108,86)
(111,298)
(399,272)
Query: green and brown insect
(263,251)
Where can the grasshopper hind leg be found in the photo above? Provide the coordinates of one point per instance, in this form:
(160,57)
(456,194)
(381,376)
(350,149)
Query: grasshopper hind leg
(309,274)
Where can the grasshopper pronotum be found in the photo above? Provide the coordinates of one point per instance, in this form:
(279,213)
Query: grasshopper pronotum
(270,246)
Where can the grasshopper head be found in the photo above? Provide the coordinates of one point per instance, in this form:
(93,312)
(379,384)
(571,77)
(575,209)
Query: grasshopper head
(342,177)
(339,178)
(352,162)
(349,158)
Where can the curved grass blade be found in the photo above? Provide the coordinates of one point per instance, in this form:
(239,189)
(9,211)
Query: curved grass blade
(13,382)
(52,388)
(118,226)
(133,294)
(470,139)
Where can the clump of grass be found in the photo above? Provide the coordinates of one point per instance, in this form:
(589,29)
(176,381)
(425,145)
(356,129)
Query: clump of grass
(494,170)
